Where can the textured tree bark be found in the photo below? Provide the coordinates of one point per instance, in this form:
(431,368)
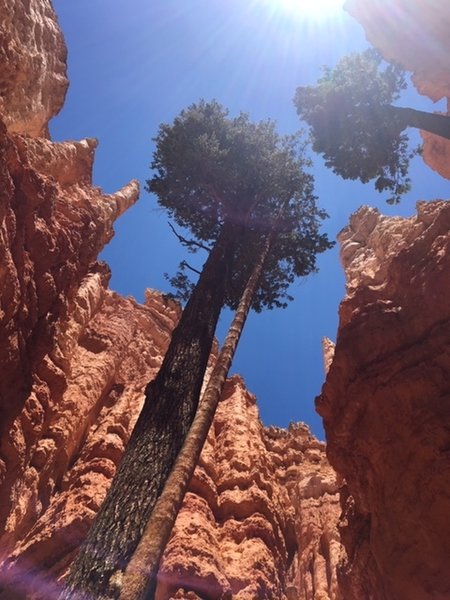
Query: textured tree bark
(431,122)
(169,408)
(140,578)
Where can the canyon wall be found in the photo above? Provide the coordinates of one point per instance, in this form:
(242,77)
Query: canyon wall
(385,402)
(386,405)
(414,34)
(260,517)
(33,81)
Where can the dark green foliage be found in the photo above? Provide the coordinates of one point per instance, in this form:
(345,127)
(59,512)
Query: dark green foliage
(226,180)
(353,125)
(211,169)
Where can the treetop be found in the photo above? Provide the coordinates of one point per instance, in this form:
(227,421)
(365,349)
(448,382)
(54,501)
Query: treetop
(211,169)
(352,125)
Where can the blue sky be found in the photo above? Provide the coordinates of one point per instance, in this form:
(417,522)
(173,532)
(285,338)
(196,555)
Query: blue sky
(135,64)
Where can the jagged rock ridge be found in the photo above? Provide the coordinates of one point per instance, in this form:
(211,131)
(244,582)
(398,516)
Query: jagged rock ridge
(386,404)
(260,518)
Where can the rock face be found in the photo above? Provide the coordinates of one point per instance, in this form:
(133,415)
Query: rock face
(63,468)
(386,404)
(33,79)
(260,517)
(414,34)
(53,224)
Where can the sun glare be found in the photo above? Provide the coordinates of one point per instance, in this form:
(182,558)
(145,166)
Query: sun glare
(309,9)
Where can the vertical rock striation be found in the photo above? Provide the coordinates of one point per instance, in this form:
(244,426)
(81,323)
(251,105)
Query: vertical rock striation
(259,520)
(386,404)
(414,34)
(53,223)
(33,79)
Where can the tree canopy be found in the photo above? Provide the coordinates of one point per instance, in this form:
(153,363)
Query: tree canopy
(212,169)
(354,125)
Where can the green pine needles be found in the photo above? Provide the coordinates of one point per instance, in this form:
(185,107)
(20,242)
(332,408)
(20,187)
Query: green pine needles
(212,169)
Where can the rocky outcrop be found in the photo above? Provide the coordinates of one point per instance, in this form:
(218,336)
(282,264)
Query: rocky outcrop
(113,347)
(33,79)
(386,403)
(260,518)
(53,224)
(414,34)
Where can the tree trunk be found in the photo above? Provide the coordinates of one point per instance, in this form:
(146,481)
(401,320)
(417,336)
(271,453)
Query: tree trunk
(170,404)
(431,122)
(139,582)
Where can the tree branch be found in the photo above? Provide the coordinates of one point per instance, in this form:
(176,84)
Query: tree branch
(186,264)
(186,242)
(431,122)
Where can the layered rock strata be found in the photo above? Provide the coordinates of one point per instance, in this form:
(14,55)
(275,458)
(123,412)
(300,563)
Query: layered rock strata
(415,35)
(259,520)
(33,79)
(386,404)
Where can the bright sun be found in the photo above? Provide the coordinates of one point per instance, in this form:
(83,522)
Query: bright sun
(313,9)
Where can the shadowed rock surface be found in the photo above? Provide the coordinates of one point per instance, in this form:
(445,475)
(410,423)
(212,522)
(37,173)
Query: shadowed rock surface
(386,405)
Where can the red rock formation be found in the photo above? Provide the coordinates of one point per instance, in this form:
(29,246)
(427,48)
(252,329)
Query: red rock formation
(260,518)
(33,79)
(61,481)
(53,225)
(386,403)
(414,34)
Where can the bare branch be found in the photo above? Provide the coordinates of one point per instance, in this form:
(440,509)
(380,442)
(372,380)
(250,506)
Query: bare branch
(186,264)
(186,242)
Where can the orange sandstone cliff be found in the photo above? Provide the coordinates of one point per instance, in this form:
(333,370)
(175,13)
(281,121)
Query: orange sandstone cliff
(386,405)
(386,400)
(260,517)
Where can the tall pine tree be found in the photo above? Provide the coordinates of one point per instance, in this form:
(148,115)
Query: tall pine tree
(224,179)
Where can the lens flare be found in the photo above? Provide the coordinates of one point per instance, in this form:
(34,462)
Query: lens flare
(309,9)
